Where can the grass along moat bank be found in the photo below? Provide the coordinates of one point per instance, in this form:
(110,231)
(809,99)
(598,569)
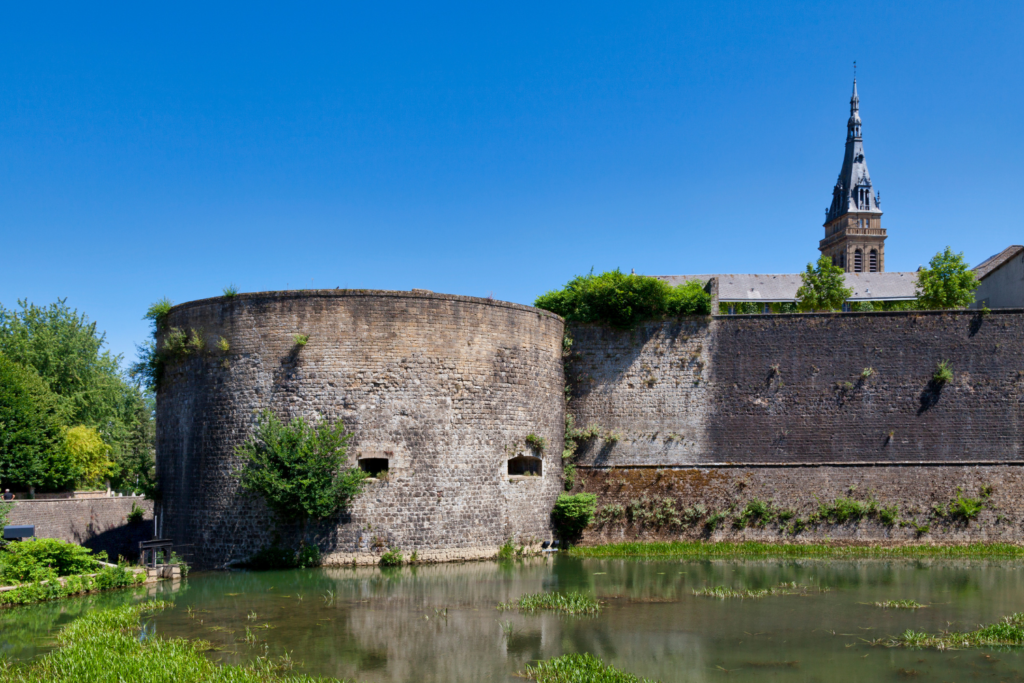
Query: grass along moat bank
(751,550)
(112,646)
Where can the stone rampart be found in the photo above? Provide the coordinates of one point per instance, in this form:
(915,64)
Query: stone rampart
(802,409)
(445,388)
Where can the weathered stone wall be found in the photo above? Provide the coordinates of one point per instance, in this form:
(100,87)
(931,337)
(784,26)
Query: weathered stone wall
(97,523)
(781,408)
(795,389)
(661,497)
(444,387)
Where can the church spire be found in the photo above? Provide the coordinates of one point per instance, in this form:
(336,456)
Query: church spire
(853,191)
(854,237)
(853,125)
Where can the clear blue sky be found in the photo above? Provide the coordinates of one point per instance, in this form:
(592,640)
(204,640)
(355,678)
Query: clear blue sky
(169,151)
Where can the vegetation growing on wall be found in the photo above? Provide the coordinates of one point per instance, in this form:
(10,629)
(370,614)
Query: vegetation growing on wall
(622,301)
(299,468)
(574,438)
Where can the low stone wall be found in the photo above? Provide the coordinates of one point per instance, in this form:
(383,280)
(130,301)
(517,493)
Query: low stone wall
(800,490)
(96,523)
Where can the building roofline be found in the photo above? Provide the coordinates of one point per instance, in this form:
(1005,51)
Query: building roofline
(996,261)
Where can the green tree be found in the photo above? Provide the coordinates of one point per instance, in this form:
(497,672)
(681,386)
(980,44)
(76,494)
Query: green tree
(66,351)
(30,429)
(623,300)
(90,455)
(947,282)
(133,455)
(298,468)
(823,288)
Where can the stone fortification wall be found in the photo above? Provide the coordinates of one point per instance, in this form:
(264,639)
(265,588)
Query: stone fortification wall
(795,389)
(783,408)
(444,387)
(97,523)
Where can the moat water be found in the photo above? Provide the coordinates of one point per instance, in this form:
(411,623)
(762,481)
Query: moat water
(439,623)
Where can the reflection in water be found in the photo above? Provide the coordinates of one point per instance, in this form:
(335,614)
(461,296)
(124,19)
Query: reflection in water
(439,622)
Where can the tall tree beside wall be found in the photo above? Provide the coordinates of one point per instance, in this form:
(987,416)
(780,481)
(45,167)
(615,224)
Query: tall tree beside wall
(823,288)
(947,282)
(31,425)
(66,352)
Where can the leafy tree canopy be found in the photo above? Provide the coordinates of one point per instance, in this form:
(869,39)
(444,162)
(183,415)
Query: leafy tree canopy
(623,300)
(823,288)
(65,351)
(298,468)
(30,427)
(947,282)
(88,454)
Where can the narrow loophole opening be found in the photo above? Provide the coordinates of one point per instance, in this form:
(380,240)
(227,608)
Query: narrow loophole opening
(374,466)
(524,466)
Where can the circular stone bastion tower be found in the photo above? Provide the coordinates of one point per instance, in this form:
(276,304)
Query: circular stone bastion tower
(439,392)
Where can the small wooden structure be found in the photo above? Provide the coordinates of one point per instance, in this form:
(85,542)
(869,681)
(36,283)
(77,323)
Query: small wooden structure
(153,547)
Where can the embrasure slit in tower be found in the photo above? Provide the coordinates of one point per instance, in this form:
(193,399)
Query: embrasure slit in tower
(524,465)
(374,466)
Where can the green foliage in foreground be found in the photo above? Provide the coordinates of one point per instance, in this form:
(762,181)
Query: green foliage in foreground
(573,602)
(1009,631)
(37,558)
(297,468)
(51,588)
(622,301)
(701,549)
(576,667)
(104,647)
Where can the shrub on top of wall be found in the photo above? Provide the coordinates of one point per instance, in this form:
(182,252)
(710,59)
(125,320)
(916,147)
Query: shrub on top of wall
(622,301)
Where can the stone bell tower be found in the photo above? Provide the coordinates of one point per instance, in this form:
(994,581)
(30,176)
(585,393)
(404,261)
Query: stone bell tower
(854,236)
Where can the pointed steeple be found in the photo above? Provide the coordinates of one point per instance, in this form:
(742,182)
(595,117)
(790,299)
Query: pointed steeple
(853,191)
(853,125)
(854,237)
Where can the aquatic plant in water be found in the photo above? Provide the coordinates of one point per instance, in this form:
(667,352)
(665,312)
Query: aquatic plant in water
(1009,631)
(899,604)
(579,667)
(573,602)
(722,593)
